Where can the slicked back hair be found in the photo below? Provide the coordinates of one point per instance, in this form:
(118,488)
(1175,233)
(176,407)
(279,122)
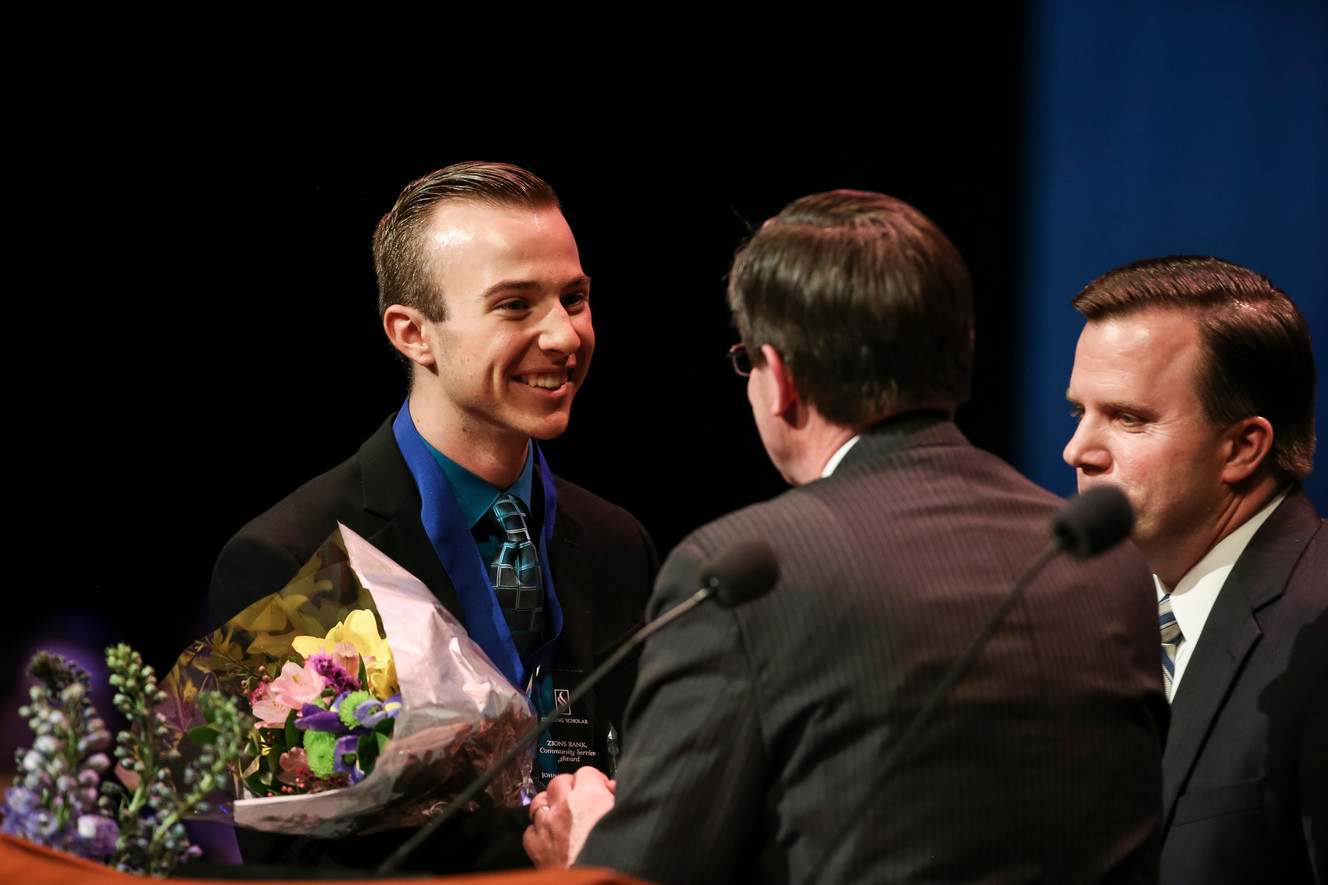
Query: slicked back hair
(1257,358)
(404,265)
(865,300)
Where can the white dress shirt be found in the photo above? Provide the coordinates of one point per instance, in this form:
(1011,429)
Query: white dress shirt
(838,456)
(1194,595)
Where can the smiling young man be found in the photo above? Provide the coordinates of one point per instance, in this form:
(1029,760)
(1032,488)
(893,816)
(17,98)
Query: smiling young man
(482,294)
(502,356)
(1194,385)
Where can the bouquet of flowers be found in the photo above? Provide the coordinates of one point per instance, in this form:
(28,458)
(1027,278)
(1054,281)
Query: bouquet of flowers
(372,706)
(322,722)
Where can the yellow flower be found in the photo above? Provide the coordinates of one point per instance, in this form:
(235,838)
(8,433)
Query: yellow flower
(361,630)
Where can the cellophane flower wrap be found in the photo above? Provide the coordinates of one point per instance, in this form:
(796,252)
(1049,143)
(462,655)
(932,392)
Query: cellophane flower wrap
(374,707)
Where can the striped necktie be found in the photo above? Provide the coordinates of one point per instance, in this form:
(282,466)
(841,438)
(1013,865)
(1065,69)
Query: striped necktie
(1171,640)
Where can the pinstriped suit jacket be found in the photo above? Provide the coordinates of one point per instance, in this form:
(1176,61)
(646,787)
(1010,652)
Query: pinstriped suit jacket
(753,732)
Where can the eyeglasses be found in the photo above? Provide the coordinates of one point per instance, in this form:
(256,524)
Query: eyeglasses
(742,363)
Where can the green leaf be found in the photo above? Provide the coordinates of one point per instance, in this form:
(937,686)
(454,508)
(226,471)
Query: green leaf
(203,735)
(258,785)
(292,733)
(367,749)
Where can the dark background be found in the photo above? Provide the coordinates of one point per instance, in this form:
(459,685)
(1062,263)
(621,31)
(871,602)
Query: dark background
(207,270)
(193,328)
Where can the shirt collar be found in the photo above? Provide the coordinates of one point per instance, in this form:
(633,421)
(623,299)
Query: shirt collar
(1195,593)
(838,456)
(475,495)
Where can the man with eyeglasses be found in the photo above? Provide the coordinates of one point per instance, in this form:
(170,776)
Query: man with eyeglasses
(756,734)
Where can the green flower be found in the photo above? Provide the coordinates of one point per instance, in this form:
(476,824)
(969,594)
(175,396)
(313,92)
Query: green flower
(321,747)
(348,704)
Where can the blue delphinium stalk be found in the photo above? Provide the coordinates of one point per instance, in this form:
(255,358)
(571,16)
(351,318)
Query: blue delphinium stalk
(60,797)
(54,797)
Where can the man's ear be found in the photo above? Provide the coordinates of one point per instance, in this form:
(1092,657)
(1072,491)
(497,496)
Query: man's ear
(410,332)
(1248,444)
(786,400)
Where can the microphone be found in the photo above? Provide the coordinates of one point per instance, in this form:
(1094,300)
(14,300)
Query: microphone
(1085,526)
(1094,522)
(739,574)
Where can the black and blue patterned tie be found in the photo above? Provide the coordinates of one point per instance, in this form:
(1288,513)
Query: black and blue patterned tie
(1171,640)
(516,577)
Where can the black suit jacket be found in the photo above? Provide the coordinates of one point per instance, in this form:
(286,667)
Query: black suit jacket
(603,564)
(1246,763)
(755,735)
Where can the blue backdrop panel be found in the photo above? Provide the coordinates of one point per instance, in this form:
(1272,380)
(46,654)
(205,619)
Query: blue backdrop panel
(1158,128)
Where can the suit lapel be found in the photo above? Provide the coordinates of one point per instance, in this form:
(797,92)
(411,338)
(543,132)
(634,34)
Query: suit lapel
(599,613)
(571,574)
(392,524)
(1230,634)
(392,515)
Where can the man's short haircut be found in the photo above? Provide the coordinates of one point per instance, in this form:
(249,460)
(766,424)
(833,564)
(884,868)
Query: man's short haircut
(403,264)
(865,300)
(1257,357)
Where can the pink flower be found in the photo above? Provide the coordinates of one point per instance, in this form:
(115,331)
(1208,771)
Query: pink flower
(266,708)
(297,686)
(295,769)
(347,658)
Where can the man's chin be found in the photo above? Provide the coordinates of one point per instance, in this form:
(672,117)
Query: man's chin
(550,429)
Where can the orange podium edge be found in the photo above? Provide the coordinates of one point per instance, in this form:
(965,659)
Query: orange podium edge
(25,863)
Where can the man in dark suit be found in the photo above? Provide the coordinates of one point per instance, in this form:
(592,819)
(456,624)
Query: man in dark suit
(756,735)
(1194,382)
(482,294)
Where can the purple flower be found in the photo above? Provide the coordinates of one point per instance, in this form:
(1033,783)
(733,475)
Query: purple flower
(19,802)
(373,711)
(42,826)
(315,718)
(97,762)
(337,678)
(96,836)
(48,745)
(346,747)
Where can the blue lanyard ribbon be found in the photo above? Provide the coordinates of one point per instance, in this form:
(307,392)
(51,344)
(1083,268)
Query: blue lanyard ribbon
(460,557)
